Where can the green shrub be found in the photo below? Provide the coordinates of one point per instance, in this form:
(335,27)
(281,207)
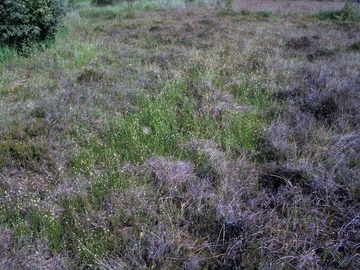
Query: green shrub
(245,12)
(355,46)
(107,2)
(228,9)
(348,13)
(25,24)
(102,2)
(265,13)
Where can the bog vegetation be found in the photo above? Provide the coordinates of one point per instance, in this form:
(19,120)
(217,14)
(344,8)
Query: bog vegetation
(180,135)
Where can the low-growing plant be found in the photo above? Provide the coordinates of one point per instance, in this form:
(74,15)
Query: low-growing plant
(228,9)
(107,13)
(188,2)
(355,46)
(103,2)
(110,2)
(245,12)
(84,54)
(265,13)
(349,13)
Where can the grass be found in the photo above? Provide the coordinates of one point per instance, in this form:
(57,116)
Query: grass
(7,54)
(164,135)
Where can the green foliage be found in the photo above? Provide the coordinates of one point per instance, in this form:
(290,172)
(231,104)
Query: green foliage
(228,9)
(7,54)
(106,2)
(107,13)
(348,13)
(245,12)
(229,4)
(25,24)
(265,13)
(189,1)
(355,46)
(163,124)
(102,2)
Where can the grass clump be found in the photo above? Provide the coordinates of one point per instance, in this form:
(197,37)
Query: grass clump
(107,13)
(7,54)
(245,12)
(355,46)
(265,13)
(227,9)
(103,2)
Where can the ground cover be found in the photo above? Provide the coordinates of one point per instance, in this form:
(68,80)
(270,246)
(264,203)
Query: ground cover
(185,136)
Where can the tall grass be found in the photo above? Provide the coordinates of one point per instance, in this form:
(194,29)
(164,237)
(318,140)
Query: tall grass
(7,54)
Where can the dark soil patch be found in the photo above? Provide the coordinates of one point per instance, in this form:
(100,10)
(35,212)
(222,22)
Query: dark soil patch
(275,178)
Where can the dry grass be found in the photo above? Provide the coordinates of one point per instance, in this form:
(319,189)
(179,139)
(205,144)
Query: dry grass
(186,139)
(288,7)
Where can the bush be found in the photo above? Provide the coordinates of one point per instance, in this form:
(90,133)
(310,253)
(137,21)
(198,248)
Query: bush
(228,9)
(349,13)
(106,2)
(265,13)
(25,24)
(102,2)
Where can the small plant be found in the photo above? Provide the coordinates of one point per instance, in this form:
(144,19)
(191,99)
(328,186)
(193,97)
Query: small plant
(103,2)
(229,4)
(228,9)
(84,53)
(245,12)
(90,75)
(355,46)
(265,13)
(189,2)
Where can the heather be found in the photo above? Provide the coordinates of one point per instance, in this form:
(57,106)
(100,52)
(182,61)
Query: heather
(184,135)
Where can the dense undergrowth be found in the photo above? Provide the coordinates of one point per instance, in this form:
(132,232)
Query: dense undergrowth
(182,137)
